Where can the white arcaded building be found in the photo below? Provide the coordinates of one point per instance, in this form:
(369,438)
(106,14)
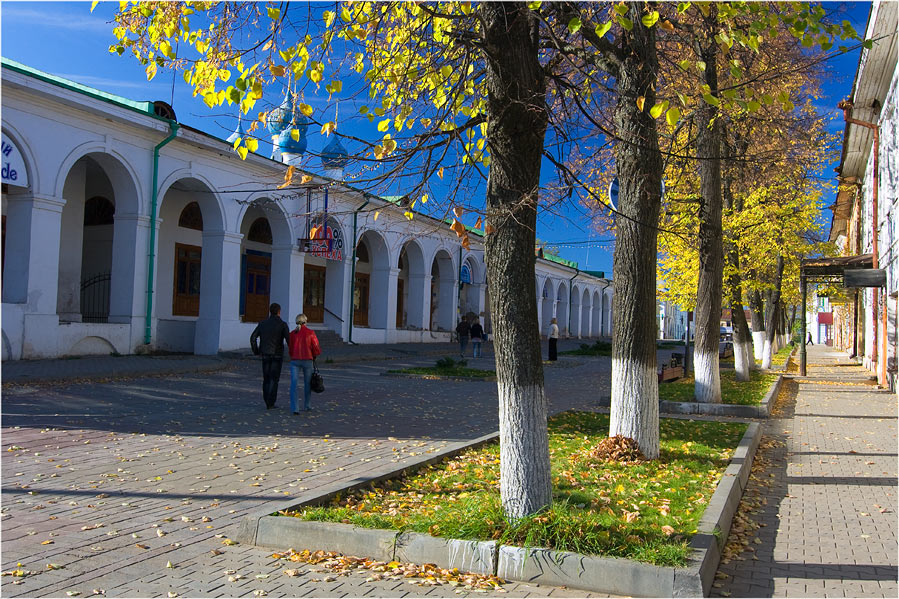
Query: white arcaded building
(123,231)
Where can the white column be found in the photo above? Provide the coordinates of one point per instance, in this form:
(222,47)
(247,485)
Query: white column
(379,298)
(127,296)
(392,276)
(218,326)
(287,280)
(418,301)
(31,269)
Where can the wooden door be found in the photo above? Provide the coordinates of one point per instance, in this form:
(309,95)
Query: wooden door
(314,292)
(259,271)
(360,300)
(186,288)
(399,303)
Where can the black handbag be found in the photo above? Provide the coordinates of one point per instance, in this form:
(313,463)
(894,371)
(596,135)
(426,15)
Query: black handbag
(316,382)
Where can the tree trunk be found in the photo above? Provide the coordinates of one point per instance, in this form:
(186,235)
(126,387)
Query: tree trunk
(517,120)
(743,360)
(771,326)
(757,308)
(711,259)
(635,387)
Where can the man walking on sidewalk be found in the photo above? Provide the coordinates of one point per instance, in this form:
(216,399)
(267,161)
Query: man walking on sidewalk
(272,333)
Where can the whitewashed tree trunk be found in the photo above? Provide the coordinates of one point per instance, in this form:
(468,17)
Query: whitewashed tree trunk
(766,353)
(638,422)
(523,441)
(758,343)
(707,376)
(516,106)
(711,249)
(742,361)
(635,391)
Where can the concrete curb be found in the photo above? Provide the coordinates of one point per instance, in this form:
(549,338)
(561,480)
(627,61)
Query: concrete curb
(249,528)
(763,410)
(534,565)
(439,377)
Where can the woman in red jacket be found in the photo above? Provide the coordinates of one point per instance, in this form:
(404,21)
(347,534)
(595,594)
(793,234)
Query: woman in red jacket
(303,350)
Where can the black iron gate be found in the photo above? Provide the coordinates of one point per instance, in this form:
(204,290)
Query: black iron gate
(95,298)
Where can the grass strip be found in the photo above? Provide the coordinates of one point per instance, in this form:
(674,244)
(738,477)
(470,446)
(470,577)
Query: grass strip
(779,357)
(749,393)
(457,371)
(646,511)
(599,348)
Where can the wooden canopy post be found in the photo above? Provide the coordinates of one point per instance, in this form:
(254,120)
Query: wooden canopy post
(803,285)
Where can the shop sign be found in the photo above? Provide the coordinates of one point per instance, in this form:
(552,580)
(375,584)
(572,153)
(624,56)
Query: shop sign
(326,242)
(14,172)
(465,275)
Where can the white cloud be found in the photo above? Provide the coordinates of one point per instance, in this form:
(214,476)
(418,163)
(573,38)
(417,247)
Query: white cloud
(55,18)
(104,83)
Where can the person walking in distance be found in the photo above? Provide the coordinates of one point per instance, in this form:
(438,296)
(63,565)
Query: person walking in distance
(553,340)
(463,331)
(808,340)
(268,339)
(477,337)
(304,348)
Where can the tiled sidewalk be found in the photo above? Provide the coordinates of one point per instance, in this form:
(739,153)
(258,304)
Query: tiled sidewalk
(829,521)
(93,473)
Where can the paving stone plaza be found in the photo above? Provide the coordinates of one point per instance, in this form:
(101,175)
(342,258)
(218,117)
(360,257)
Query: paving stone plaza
(134,486)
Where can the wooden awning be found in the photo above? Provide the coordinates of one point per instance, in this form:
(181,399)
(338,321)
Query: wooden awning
(833,267)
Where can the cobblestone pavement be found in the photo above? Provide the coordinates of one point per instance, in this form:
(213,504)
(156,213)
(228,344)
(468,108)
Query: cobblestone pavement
(134,487)
(829,524)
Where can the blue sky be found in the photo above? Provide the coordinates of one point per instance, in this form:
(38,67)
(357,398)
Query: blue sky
(66,39)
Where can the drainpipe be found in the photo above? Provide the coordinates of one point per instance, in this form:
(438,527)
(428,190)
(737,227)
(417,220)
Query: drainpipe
(151,255)
(846,106)
(570,298)
(353,273)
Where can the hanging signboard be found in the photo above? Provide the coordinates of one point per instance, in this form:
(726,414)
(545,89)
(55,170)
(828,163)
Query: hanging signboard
(14,172)
(325,242)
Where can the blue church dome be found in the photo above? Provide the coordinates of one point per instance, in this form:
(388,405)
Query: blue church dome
(280,118)
(334,155)
(286,143)
(239,133)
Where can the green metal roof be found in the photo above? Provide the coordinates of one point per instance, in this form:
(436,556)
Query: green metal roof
(557,260)
(142,107)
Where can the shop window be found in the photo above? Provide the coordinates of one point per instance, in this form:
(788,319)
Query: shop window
(186,297)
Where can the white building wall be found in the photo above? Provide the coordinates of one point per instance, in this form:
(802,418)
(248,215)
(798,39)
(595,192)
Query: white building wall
(56,128)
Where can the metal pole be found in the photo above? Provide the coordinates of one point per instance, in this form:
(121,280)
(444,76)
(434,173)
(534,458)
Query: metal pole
(855,327)
(802,355)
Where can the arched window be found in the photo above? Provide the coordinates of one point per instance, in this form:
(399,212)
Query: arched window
(260,231)
(191,217)
(98,211)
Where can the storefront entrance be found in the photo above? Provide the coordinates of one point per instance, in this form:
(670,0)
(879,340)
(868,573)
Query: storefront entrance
(314,292)
(259,270)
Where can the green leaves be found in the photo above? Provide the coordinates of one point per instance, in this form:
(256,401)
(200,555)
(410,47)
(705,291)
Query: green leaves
(711,100)
(672,116)
(658,109)
(603,29)
(574,25)
(625,23)
(650,19)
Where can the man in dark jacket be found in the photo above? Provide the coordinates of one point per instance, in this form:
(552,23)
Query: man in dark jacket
(273,333)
